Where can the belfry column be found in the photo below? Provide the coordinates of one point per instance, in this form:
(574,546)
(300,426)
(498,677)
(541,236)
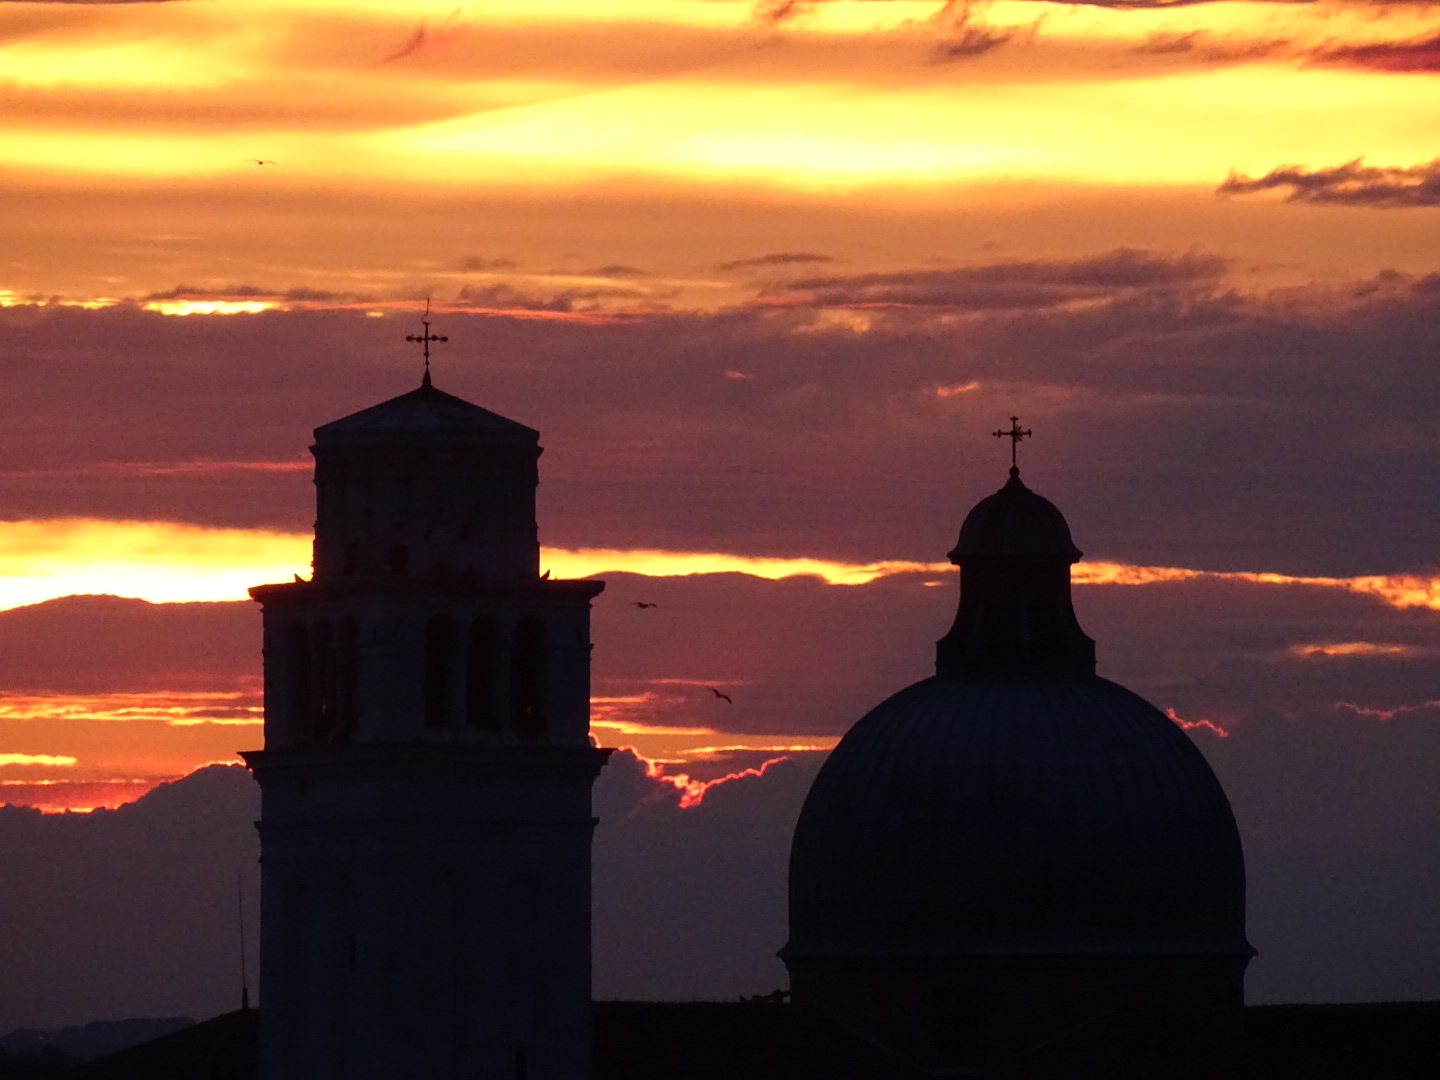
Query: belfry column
(426,822)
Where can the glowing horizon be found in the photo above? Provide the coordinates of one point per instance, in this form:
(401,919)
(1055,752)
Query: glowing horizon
(668,753)
(170,562)
(46,760)
(177,708)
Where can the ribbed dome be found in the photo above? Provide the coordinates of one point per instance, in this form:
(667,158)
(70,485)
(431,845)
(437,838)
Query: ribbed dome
(1014,522)
(1016,816)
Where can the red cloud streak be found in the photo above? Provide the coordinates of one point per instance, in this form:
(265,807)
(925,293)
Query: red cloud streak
(1188,724)
(693,791)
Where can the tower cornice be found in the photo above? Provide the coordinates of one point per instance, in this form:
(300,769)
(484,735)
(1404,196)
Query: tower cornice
(437,587)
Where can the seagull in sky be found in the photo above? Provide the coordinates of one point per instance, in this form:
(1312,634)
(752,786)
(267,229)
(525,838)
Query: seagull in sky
(260,161)
(718,694)
(642,604)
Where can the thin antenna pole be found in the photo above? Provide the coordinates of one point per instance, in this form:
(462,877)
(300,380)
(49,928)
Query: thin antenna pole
(244,978)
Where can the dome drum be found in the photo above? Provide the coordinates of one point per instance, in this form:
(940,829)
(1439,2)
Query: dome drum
(1022,1016)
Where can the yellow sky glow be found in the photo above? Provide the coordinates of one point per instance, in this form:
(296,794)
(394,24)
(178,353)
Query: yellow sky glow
(1396,590)
(161,562)
(179,708)
(850,109)
(167,562)
(523,93)
(53,760)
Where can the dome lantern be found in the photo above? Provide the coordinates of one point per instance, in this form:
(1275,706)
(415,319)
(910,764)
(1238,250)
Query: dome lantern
(1015,615)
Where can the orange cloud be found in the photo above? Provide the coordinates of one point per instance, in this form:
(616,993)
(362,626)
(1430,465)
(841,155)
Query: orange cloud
(195,467)
(37,759)
(1207,724)
(1352,648)
(178,708)
(170,562)
(623,721)
(692,792)
(1396,590)
(1386,714)
(78,797)
(586,562)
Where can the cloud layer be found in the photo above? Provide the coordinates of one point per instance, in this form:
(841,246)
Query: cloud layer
(1182,421)
(1350,184)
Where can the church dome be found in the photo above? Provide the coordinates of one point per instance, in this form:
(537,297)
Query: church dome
(1015,804)
(1010,815)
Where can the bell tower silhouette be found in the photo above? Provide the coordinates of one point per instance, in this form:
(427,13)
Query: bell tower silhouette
(426,821)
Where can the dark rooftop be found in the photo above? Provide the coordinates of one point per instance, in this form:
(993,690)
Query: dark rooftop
(426,411)
(1014,523)
(767,1041)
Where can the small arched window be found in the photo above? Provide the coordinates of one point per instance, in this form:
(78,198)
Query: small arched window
(297,678)
(439,645)
(527,678)
(346,674)
(481,657)
(326,683)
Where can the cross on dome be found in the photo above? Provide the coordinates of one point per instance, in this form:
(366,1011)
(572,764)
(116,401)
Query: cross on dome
(425,339)
(1015,434)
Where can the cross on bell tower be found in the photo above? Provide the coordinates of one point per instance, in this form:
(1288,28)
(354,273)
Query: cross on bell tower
(1015,434)
(424,341)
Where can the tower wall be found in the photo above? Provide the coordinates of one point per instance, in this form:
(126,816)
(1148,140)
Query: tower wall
(426,912)
(438,505)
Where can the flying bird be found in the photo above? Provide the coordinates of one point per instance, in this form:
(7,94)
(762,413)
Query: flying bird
(414,45)
(260,161)
(642,604)
(422,37)
(718,694)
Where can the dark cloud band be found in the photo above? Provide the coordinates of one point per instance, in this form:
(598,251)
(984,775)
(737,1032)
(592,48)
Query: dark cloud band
(1351,184)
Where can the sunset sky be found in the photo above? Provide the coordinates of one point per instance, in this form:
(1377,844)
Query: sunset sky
(765,275)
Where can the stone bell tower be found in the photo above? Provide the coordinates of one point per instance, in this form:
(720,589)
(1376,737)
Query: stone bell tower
(426,823)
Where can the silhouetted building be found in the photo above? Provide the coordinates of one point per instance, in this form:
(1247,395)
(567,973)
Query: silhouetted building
(1014,858)
(426,822)
(640,1040)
